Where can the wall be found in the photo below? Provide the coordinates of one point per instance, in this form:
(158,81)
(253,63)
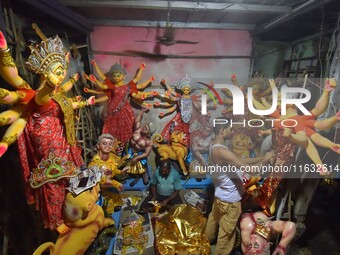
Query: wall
(215,51)
(218,45)
(269,64)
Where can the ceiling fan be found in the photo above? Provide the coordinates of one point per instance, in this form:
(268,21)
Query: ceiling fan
(168,38)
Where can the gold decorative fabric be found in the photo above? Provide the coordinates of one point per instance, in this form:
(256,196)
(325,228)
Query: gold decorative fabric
(67,109)
(6,58)
(136,168)
(133,235)
(111,200)
(181,231)
(110,164)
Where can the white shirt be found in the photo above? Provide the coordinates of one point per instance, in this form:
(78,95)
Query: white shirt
(228,185)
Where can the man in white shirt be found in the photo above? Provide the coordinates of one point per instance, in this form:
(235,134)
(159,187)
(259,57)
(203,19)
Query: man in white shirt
(226,208)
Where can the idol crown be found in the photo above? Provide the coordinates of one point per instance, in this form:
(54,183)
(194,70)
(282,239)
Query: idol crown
(187,81)
(44,54)
(265,231)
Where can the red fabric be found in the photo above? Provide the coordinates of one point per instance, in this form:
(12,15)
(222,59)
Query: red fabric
(109,84)
(44,133)
(310,131)
(133,88)
(176,124)
(275,114)
(304,122)
(119,122)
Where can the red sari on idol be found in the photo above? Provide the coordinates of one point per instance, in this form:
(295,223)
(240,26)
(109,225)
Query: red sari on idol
(48,129)
(120,117)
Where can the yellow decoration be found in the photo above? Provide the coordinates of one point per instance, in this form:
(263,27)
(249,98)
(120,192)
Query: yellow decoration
(4,121)
(81,104)
(136,168)
(156,205)
(243,145)
(110,165)
(111,200)
(176,150)
(84,219)
(24,85)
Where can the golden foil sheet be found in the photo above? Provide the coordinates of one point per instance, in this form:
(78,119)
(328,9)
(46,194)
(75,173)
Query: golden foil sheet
(181,231)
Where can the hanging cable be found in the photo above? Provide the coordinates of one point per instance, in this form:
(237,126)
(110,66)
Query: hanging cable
(320,41)
(332,46)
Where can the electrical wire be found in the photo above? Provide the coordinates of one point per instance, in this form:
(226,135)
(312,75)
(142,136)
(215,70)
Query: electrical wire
(334,108)
(320,41)
(297,3)
(332,44)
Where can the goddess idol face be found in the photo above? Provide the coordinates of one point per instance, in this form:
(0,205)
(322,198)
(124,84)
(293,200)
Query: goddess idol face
(118,77)
(186,90)
(56,73)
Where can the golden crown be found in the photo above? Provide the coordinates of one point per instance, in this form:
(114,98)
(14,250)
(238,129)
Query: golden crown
(51,170)
(44,54)
(265,231)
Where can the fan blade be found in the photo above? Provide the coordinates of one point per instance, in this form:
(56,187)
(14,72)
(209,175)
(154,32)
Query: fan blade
(145,54)
(143,41)
(185,42)
(166,42)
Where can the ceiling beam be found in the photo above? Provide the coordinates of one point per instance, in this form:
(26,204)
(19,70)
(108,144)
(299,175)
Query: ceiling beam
(162,24)
(181,5)
(61,13)
(299,10)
